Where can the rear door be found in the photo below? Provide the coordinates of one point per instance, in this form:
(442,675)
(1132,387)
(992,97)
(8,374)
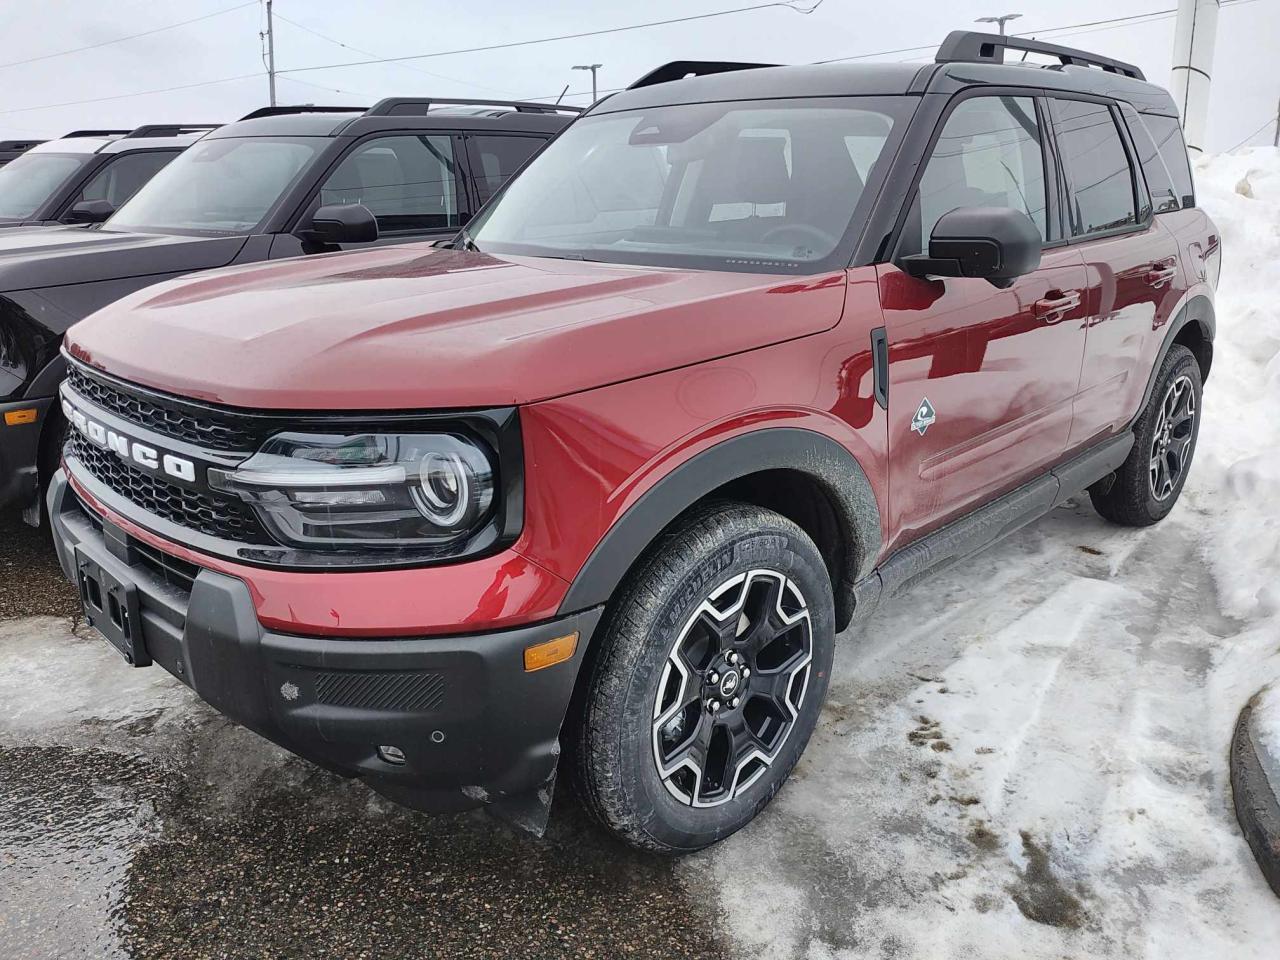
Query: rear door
(1135,277)
(982,379)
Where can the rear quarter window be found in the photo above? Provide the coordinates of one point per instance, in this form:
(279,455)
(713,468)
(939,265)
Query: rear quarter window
(1163,194)
(1168,136)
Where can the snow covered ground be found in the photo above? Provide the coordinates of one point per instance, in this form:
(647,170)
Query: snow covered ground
(1028,758)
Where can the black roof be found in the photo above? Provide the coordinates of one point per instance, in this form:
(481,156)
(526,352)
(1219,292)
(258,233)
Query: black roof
(964,59)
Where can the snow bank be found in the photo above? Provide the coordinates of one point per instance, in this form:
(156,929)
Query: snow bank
(1027,758)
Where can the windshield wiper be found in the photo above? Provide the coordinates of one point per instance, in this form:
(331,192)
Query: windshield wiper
(464,242)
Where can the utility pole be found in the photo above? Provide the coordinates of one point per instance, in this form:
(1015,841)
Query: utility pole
(271,55)
(1002,20)
(1276,141)
(593,67)
(1193,40)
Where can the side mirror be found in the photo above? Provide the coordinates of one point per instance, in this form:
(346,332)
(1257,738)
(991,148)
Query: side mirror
(90,211)
(998,244)
(343,223)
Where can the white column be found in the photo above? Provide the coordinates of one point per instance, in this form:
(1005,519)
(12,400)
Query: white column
(1193,42)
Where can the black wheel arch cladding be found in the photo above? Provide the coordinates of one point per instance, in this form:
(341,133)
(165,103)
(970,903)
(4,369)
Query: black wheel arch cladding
(820,459)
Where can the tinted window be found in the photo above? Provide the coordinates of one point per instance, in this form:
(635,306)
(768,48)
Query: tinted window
(1098,172)
(769,186)
(121,178)
(495,159)
(222,185)
(1168,137)
(988,155)
(1157,176)
(408,182)
(29,181)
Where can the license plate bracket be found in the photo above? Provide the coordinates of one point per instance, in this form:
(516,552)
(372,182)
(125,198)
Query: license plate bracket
(110,605)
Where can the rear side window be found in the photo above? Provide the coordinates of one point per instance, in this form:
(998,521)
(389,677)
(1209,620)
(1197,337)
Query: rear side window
(1168,137)
(409,183)
(121,178)
(1101,180)
(1159,182)
(495,159)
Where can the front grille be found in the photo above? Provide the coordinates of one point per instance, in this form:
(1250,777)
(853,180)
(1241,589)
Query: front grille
(208,513)
(207,428)
(390,690)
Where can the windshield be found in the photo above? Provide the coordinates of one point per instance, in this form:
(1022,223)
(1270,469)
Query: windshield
(225,186)
(30,180)
(765,186)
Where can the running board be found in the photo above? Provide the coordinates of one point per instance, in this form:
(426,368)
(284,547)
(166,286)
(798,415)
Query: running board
(988,524)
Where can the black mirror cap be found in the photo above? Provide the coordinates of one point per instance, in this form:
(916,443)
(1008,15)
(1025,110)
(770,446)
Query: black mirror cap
(90,211)
(998,244)
(344,223)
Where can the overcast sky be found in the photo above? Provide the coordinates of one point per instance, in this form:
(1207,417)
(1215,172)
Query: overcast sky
(1246,82)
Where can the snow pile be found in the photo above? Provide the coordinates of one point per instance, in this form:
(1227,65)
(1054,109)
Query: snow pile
(1027,757)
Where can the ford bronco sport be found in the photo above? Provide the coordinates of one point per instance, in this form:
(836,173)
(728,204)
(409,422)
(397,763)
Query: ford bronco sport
(281,182)
(742,352)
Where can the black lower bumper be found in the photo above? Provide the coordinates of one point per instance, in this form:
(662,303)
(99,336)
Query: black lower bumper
(467,724)
(20,454)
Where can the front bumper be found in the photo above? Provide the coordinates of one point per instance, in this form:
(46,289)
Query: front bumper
(20,454)
(474,727)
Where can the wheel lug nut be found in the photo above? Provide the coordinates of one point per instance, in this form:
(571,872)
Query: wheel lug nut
(746,672)
(733,657)
(734,702)
(714,706)
(714,677)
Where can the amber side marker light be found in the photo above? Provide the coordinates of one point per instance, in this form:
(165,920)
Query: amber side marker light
(548,654)
(15,418)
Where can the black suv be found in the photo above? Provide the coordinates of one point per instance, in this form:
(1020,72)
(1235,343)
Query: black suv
(86,175)
(281,182)
(13,149)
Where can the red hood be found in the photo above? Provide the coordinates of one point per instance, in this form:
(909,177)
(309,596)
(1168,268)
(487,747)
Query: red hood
(416,327)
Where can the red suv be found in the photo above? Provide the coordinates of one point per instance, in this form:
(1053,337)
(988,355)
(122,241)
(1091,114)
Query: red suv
(743,351)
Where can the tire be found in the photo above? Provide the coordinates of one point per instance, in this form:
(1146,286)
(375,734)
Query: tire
(731,580)
(1142,494)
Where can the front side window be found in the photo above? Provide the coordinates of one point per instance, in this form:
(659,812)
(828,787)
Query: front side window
(1099,176)
(124,176)
(407,182)
(28,182)
(1168,136)
(988,155)
(495,159)
(225,185)
(773,186)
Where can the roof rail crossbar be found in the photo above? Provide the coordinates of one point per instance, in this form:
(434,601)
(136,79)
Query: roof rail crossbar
(968,46)
(171,129)
(95,133)
(679,69)
(281,111)
(416,106)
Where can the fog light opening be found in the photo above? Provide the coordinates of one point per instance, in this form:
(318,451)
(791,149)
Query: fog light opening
(393,755)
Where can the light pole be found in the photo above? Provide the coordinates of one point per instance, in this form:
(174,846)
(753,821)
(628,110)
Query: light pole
(593,67)
(271,55)
(1002,20)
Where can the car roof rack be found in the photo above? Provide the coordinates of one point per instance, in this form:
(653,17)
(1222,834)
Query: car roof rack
(679,69)
(95,133)
(171,129)
(968,46)
(418,106)
(281,111)
(19,144)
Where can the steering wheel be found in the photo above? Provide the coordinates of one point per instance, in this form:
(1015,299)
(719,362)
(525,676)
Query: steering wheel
(825,241)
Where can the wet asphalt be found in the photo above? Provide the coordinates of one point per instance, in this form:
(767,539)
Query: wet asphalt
(135,822)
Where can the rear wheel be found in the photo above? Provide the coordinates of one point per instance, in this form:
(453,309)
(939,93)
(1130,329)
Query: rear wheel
(1146,487)
(709,680)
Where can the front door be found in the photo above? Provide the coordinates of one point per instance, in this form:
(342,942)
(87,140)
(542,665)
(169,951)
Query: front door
(981,379)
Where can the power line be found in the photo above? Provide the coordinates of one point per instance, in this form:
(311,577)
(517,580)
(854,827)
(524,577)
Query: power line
(126,96)
(1255,133)
(132,36)
(568,36)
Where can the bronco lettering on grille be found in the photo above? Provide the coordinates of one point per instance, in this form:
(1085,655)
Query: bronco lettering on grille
(129,449)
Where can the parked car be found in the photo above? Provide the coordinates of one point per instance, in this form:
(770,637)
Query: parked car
(86,175)
(283,181)
(742,352)
(12,149)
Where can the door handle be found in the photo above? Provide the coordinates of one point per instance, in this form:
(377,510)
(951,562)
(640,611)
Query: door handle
(1053,308)
(1158,276)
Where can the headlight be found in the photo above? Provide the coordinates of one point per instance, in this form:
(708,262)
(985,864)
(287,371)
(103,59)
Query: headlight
(374,491)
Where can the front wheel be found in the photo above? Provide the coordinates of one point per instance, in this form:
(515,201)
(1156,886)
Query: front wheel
(709,680)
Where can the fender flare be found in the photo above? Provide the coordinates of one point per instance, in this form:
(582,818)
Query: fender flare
(1198,310)
(823,459)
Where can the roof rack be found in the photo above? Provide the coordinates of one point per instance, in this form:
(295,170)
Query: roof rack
(298,108)
(967,46)
(171,129)
(19,144)
(95,133)
(679,69)
(417,106)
